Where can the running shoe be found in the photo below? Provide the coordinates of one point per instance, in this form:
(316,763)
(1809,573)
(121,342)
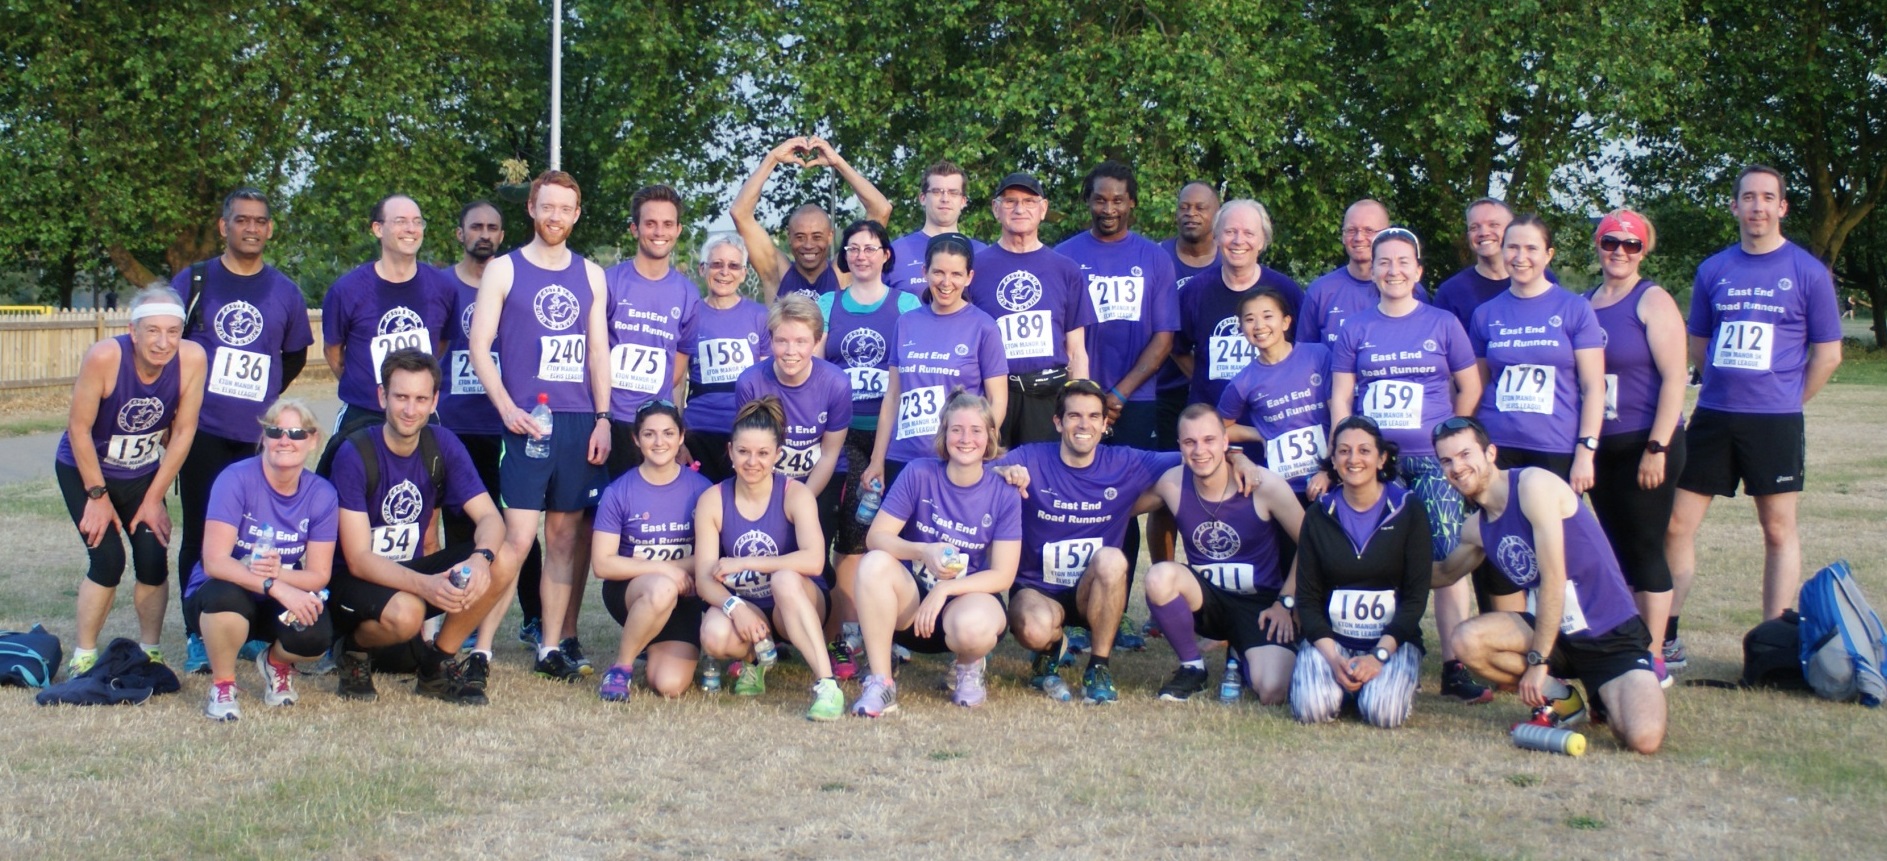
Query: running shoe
(1077,638)
(1456,683)
(899,655)
(196,659)
(828,702)
(446,681)
(617,682)
(1185,682)
(221,704)
(477,670)
(1676,657)
(1097,685)
(278,680)
(752,681)
(840,654)
(251,649)
(155,655)
(970,690)
(573,651)
(1151,630)
(1127,637)
(1565,711)
(326,665)
(531,633)
(1045,673)
(880,697)
(356,677)
(1662,671)
(557,668)
(80,664)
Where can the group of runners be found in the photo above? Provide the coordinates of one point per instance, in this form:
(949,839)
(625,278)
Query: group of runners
(930,441)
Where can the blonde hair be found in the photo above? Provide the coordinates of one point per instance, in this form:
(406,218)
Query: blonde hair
(796,308)
(309,421)
(1264,216)
(961,399)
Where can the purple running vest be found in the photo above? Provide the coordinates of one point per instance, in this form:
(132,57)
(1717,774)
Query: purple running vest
(131,420)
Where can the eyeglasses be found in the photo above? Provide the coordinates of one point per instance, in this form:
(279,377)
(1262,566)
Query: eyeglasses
(403,223)
(945,193)
(1364,232)
(857,250)
(1609,244)
(295,434)
(726,265)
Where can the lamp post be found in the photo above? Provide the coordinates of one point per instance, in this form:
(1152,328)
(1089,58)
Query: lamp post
(556,84)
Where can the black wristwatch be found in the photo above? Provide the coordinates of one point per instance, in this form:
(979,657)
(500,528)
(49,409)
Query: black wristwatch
(603,416)
(1590,442)
(267,584)
(1655,447)
(1289,602)
(97,492)
(489,556)
(1382,655)
(1535,659)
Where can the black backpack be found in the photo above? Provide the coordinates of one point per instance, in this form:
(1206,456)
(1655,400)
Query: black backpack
(1772,654)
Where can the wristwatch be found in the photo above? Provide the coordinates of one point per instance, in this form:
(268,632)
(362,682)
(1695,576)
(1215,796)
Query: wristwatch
(603,416)
(1590,442)
(1655,447)
(1535,659)
(490,557)
(267,584)
(1382,655)
(1289,602)
(97,492)
(732,602)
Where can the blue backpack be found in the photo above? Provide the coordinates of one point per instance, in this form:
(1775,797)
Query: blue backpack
(29,658)
(1844,645)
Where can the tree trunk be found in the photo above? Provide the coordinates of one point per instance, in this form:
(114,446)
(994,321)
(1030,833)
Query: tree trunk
(130,267)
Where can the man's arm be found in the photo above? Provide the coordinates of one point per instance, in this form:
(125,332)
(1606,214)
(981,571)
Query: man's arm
(1823,359)
(877,207)
(597,344)
(1076,341)
(492,290)
(767,260)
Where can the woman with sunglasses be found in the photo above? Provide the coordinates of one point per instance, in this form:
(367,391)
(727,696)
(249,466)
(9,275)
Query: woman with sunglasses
(730,334)
(1542,358)
(238,595)
(1408,366)
(642,549)
(1641,442)
(861,320)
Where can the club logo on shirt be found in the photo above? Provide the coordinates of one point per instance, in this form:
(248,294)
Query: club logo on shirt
(1431,346)
(140,414)
(400,319)
(674,312)
(1216,540)
(1182,282)
(238,323)
(402,504)
(863,348)
(987,520)
(556,308)
(1784,284)
(753,542)
(1227,328)
(1517,561)
(822,416)
(963,349)
(1135,272)
(1553,321)
(754,338)
(1019,291)
(1316,379)
(465,321)
(304,526)
(1109,494)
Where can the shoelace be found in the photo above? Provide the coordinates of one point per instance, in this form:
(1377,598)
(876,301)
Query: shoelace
(279,677)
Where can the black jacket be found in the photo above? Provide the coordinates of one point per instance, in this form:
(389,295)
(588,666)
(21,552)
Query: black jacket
(1397,556)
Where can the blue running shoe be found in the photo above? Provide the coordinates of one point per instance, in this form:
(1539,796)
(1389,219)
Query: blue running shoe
(251,649)
(531,633)
(1127,637)
(1097,685)
(196,659)
(1077,638)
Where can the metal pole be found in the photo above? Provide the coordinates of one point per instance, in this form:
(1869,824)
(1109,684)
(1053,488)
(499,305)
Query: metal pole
(556,84)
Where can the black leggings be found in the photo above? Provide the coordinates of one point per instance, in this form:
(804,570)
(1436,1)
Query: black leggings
(149,559)
(209,456)
(1635,519)
(222,596)
(484,451)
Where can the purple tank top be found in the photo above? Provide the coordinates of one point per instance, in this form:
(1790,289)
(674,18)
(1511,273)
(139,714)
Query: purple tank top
(131,420)
(859,343)
(794,282)
(463,406)
(771,534)
(1632,380)
(1597,599)
(1227,543)
(543,332)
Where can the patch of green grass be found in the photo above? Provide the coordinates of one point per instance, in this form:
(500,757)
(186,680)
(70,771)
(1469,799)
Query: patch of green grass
(27,425)
(1585,823)
(1523,780)
(1861,364)
(33,499)
(946,755)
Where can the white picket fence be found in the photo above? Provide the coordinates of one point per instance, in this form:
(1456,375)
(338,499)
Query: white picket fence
(42,349)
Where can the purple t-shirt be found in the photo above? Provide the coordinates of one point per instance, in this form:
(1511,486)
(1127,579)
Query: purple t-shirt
(724,343)
(242,497)
(968,518)
(770,534)
(820,405)
(1072,513)
(1036,299)
(648,321)
(370,317)
(128,430)
(543,335)
(1289,405)
(1333,298)
(1209,329)
(245,324)
(1468,289)
(858,340)
(1130,291)
(795,282)
(1632,378)
(1404,368)
(1171,378)
(1760,313)
(1532,397)
(936,354)
(1597,599)
(906,269)
(653,521)
(1227,542)
(463,406)
(405,499)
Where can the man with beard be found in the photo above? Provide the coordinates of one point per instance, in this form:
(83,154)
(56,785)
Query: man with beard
(945,196)
(651,305)
(544,306)
(253,324)
(808,269)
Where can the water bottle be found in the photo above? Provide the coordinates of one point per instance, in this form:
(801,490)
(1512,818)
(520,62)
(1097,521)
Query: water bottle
(265,543)
(954,561)
(1231,685)
(539,447)
(460,577)
(1532,736)
(765,652)
(710,676)
(869,498)
(290,619)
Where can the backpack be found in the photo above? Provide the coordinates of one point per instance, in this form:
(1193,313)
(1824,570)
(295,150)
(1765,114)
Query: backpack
(1772,654)
(362,440)
(29,658)
(1843,643)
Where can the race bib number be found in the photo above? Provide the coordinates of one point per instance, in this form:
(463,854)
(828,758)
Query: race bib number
(1025,335)
(1295,454)
(1526,389)
(868,383)
(1744,345)
(130,451)
(635,368)
(397,542)
(918,411)
(798,461)
(1572,617)
(722,359)
(464,379)
(1394,404)
(1063,562)
(1611,397)
(384,345)
(1116,298)
(240,374)
(662,552)
(1235,577)
(561,359)
(1361,614)
(1230,354)
(750,585)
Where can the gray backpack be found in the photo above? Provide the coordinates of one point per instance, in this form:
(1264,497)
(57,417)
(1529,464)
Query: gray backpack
(1844,645)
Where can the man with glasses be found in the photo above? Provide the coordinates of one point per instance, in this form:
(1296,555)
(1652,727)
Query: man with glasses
(1347,289)
(944,198)
(252,321)
(808,268)
(651,307)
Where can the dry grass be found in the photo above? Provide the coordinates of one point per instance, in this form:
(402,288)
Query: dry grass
(547,771)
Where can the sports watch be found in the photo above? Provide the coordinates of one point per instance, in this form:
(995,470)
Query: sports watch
(1591,443)
(1655,447)
(490,557)
(1381,654)
(1535,659)
(1289,602)
(95,492)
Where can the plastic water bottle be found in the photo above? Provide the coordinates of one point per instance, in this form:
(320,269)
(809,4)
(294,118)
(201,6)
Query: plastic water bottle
(289,618)
(954,561)
(710,676)
(460,577)
(869,498)
(539,447)
(1532,736)
(765,652)
(1232,684)
(265,543)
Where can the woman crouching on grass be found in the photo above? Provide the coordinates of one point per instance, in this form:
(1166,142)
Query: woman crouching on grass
(758,555)
(240,595)
(945,543)
(642,549)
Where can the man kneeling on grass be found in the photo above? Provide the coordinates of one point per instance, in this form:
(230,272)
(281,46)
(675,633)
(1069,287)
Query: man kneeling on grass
(391,479)
(1540,538)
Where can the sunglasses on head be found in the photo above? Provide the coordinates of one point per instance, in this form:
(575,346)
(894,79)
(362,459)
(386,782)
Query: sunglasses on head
(1609,244)
(653,405)
(295,434)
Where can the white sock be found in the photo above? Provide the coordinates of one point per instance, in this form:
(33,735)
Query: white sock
(86,653)
(1556,688)
(1197,665)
